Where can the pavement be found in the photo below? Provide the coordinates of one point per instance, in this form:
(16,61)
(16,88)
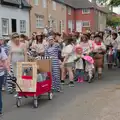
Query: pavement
(95,101)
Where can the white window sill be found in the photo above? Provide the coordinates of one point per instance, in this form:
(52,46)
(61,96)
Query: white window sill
(22,31)
(85,26)
(85,13)
(5,34)
(39,27)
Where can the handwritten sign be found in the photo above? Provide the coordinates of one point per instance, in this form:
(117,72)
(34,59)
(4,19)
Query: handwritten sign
(27,76)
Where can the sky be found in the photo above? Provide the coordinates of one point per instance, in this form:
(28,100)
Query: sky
(117,10)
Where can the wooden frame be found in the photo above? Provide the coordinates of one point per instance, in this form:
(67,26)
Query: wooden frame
(27,85)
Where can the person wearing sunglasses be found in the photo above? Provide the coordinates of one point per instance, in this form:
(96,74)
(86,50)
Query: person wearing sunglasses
(18,51)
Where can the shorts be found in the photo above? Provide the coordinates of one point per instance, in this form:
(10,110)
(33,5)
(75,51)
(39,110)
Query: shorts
(71,64)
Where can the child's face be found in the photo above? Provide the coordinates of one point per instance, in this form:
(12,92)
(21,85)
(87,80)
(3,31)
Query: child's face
(79,51)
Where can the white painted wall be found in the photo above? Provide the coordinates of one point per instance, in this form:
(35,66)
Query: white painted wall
(14,13)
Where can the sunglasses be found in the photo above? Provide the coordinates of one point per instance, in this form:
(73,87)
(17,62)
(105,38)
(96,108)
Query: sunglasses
(16,37)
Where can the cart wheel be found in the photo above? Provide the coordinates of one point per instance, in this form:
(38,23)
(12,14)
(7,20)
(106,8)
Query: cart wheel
(18,102)
(50,95)
(35,103)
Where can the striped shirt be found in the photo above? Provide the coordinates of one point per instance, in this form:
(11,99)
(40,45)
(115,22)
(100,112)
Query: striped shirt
(6,48)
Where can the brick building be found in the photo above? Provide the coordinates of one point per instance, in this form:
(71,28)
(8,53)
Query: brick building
(84,15)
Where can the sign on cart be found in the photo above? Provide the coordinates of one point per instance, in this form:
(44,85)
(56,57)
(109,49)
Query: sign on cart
(27,76)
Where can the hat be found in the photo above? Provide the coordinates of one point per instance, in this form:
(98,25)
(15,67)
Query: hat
(14,35)
(50,38)
(38,34)
(88,59)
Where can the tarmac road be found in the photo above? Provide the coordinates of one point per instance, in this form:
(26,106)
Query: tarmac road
(95,101)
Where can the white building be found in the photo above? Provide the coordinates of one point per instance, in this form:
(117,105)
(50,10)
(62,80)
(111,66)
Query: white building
(14,17)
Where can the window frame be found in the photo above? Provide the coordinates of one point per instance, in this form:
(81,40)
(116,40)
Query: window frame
(69,10)
(41,19)
(44,3)
(23,30)
(83,12)
(84,22)
(5,34)
(70,25)
(36,2)
(54,5)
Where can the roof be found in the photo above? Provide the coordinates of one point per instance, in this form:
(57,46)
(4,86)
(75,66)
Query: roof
(80,4)
(17,2)
(25,3)
(12,1)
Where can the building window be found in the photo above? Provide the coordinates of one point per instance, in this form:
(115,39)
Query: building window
(35,2)
(54,5)
(44,3)
(5,26)
(86,24)
(55,25)
(85,11)
(39,21)
(22,26)
(69,11)
(70,25)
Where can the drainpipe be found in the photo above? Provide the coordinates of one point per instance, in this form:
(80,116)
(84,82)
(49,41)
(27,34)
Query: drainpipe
(95,15)
(48,13)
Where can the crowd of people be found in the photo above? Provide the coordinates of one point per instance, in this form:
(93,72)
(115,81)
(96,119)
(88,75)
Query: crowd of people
(74,55)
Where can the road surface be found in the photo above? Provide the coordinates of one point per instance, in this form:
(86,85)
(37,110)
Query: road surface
(97,101)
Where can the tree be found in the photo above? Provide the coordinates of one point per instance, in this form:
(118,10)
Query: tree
(113,3)
(113,21)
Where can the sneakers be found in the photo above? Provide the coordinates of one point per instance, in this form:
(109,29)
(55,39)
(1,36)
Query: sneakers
(3,88)
(71,84)
(62,82)
(1,114)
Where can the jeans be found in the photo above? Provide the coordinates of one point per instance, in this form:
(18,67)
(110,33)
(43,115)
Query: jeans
(1,83)
(79,73)
(115,56)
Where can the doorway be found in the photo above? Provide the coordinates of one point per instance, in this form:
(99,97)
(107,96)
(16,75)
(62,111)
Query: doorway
(14,25)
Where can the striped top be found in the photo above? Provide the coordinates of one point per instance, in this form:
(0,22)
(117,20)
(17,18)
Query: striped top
(52,51)
(6,49)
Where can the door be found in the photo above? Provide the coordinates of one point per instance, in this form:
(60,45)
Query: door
(70,25)
(79,26)
(14,25)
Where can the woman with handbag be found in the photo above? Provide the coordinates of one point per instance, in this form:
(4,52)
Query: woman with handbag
(98,54)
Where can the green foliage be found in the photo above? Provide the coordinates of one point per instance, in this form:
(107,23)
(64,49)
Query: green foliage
(115,2)
(102,1)
(113,21)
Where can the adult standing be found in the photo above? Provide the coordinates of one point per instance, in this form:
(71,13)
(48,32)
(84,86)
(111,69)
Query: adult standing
(3,66)
(52,51)
(18,52)
(68,62)
(86,45)
(23,39)
(39,46)
(98,51)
